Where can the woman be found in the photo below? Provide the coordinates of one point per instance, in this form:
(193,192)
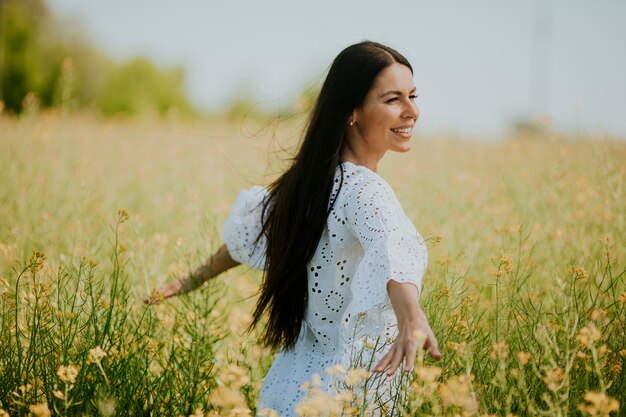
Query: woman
(342,262)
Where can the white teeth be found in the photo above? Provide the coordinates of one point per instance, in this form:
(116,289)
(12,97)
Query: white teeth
(407,130)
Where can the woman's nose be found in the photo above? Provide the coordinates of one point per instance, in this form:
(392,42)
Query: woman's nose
(412,111)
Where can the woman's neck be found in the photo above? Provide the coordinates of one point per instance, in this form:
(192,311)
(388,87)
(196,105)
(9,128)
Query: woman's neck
(367,160)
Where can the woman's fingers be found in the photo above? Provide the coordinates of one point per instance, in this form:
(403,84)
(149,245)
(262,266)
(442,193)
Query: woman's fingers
(428,339)
(392,360)
(430,344)
(166,291)
(395,361)
(407,350)
(384,362)
(155,297)
(409,360)
(432,348)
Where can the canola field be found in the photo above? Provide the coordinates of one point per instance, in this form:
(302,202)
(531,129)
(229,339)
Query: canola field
(525,288)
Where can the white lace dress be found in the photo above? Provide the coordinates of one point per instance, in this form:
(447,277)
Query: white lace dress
(368,240)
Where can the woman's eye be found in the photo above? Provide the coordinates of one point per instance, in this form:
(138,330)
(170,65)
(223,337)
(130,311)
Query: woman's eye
(394,99)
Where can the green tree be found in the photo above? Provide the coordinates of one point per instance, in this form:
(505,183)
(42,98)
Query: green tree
(29,63)
(41,56)
(138,86)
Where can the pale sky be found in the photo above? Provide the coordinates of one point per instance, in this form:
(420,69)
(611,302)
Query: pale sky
(479,65)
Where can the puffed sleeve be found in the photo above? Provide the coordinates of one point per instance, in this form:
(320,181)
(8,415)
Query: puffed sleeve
(243,226)
(392,247)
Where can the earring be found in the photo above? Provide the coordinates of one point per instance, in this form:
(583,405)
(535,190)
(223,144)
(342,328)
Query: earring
(352,122)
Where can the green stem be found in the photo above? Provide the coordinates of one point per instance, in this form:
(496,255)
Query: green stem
(103,373)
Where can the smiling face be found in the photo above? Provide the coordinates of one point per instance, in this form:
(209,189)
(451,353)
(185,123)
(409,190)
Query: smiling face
(386,118)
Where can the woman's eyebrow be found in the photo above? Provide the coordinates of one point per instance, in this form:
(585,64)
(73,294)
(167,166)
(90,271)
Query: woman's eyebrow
(396,92)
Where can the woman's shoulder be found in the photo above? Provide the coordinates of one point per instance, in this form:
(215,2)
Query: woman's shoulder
(249,199)
(369,204)
(359,180)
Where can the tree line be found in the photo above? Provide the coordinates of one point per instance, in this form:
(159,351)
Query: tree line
(45,63)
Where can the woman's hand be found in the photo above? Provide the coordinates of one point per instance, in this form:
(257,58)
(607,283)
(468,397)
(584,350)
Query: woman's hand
(414,332)
(171,289)
(219,262)
(178,286)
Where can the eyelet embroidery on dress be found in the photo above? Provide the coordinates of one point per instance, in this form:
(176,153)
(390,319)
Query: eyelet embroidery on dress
(367,241)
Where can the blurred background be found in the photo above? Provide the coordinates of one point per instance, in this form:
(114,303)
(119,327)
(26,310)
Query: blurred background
(482,68)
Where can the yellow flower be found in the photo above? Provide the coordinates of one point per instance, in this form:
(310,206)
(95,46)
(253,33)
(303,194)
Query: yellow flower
(239,412)
(499,350)
(36,261)
(336,370)
(428,373)
(318,403)
(580,272)
(457,392)
(553,378)
(523,357)
(598,404)
(597,313)
(123,215)
(58,394)
(3,413)
(96,355)
(434,239)
(23,389)
(344,397)
(68,373)
(40,410)
(316,380)
(155,297)
(267,412)
(457,347)
(468,299)
(588,335)
(234,376)
(355,376)
(227,397)
(506,265)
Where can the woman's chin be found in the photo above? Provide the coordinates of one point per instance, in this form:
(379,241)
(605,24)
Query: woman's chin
(402,147)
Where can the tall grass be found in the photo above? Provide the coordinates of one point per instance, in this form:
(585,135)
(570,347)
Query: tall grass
(76,339)
(525,289)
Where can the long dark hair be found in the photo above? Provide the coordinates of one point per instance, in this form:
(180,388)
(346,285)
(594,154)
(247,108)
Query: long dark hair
(297,206)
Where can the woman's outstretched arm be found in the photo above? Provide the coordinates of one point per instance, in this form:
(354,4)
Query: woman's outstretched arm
(219,262)
(411,323)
